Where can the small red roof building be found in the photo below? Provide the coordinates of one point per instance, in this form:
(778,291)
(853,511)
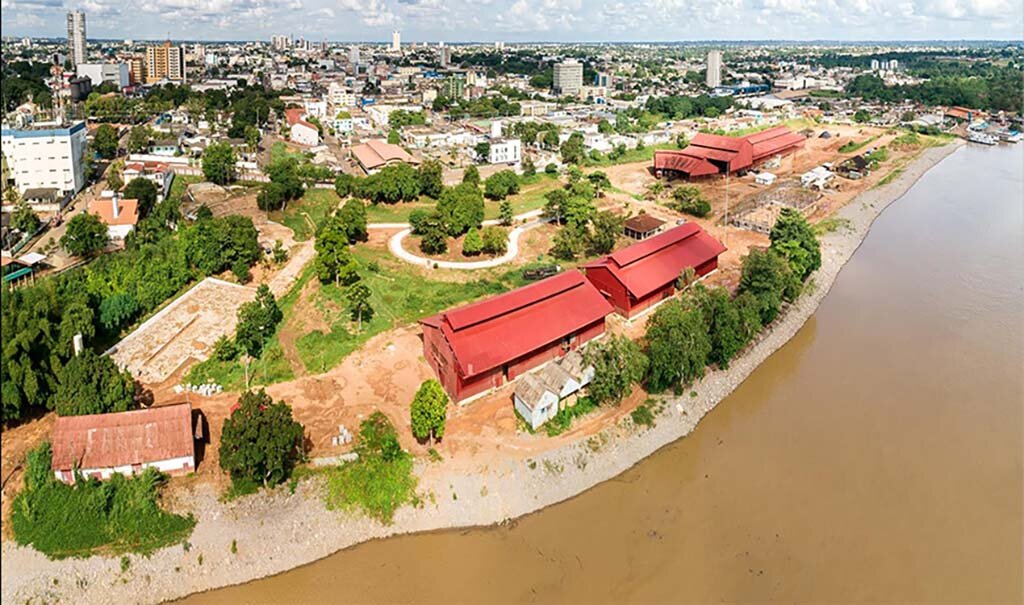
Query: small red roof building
(644,274)
(485,344)
(98,445)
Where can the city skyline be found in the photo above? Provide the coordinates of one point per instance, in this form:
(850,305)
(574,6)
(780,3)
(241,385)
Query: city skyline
(528,20)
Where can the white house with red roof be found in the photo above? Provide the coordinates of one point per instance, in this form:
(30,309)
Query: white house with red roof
(300,130)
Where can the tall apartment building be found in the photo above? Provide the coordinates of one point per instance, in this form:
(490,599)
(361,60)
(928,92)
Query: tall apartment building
(353,56)
(45,155)
(136,70)
(396,41)
(76,37)
(568,77)
(714,75)
(165,61)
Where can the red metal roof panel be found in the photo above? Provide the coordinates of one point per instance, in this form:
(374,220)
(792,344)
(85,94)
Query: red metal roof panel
(507,327)
(123,438)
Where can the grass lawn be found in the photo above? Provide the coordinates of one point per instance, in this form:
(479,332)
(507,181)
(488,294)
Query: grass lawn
(180,184)
(632,155)
(853,146)
(315,205)
(530,197)
(279,150)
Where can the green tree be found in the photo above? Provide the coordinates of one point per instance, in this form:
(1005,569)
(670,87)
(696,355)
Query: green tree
(569,243)
(495,240)
(483,151)
(434,239)
(551,139)
(862,116)
(23,218)
(689,199)
(92,384)
(118,310)
(505,213)
(257,320)
(791,227)
(460,208)
(395,183)
(677,345)
(261,442)
(114,180)
(606,229)
(358,298)
(105,141)
(252,137)
(144,191)
(472,245)
(138,139)
(334,260)
(284,172)
(85,234)
(767,276)
(501,184)
(471,175)
(600,182)
(618,364)
(394,138)
(344,184)
(529,169)
(429,410)
(431,178)
(353,220)
(219,163)
(572,150)
(725,327)
(271,197)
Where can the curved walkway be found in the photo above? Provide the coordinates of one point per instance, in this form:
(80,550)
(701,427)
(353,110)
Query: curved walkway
(395,244)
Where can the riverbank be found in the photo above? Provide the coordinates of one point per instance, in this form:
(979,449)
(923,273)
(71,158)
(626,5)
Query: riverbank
(281,531)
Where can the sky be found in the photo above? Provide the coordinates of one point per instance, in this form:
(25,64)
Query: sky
(524,20)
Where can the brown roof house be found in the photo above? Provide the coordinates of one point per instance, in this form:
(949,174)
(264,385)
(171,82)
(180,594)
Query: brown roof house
(642,226)
(99,445)
(119,215)
(376,154)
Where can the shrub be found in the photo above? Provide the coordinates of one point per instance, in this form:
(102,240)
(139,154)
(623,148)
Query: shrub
(642,416)
(688,199)
(472,245)
(116,516)
(501,184)
(495,240)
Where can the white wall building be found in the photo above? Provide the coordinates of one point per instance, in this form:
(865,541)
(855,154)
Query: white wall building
(396,41)
(98,73)
(505,151)
(568,77)
(46,155)
(340,96)
(305,133)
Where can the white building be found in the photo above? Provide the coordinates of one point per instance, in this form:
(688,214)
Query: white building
(46,156)
(353,55)
(119,215)
(304,133)
(396,41)
(714,75)
(540,394)
(568,77)
(99,73)
(76,37)
(505,151)
(316,109)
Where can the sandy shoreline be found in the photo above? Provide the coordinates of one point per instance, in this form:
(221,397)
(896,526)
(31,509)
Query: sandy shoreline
(278,531)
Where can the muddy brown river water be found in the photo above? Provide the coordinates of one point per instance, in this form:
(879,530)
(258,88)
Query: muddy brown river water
(877,457)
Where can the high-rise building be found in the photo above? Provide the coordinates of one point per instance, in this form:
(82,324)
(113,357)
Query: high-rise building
(894,64)
(568,77)
(76,37)
(875,65)
(165,62)
(396,41)
(280,42)
(446,55)
(714,75)
(100,73)
(136,70)
(353,56)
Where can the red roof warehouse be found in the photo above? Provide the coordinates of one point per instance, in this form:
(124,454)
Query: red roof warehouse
(637,277)
(713,154)
(481,346)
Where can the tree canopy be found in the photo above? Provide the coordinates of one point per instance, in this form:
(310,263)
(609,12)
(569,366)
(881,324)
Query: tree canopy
(85,234)
(92,384)
(261,442)
(428,410)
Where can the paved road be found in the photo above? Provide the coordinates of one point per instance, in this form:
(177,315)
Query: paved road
(395,245)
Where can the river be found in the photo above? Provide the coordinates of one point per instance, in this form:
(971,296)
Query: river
(877,457)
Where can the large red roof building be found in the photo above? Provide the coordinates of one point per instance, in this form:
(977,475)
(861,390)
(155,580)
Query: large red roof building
(710,154)
(644,274)
(484,345)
